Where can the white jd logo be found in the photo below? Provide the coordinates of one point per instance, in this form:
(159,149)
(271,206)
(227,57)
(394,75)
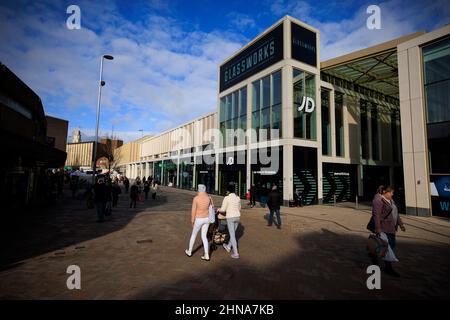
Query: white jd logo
(308,105)
(230,161)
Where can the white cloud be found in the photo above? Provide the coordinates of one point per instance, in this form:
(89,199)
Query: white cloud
(241,21)
(161,75)
(340,36)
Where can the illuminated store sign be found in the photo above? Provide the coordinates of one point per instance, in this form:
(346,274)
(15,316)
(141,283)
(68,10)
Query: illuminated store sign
(262,54)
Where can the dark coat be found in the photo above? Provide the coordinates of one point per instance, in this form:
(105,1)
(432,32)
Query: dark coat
(100,193)
(274,200)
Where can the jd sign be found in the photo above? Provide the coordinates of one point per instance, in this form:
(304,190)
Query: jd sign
(308,105)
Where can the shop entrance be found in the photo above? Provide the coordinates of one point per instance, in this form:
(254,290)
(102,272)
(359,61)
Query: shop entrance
(305,174)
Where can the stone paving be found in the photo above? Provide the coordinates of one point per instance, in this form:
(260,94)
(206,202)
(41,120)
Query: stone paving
(138,254)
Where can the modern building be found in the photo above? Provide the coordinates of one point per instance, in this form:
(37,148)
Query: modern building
(26,152)
(128,154)
(57,132)
(331,130)
(80,154)
(424,78)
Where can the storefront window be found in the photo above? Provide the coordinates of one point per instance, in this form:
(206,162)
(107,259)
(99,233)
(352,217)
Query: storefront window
(374,125)
(326,124)
(266,106)
(304,118)
(339,119)
(436,59)
(232,116)
(364,130)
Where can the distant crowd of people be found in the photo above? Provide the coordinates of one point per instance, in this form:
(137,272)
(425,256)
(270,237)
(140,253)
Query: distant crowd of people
(106,193)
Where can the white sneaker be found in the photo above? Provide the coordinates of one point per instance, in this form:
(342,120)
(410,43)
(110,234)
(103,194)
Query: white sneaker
(188,253)
(227,247)
(205,257)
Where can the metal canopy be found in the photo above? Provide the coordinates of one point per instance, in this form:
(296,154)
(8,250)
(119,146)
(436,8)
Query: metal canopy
(377,72)
(374,68)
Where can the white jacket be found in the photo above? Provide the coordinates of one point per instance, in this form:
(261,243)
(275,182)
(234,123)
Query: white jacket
(232,206)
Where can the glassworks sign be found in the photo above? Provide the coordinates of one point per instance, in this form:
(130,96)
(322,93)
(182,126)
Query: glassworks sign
(303,45)
(262,54)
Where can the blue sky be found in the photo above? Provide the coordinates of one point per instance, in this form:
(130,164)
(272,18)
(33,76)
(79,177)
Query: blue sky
(167,52)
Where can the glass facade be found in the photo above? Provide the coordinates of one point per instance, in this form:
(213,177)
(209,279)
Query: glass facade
(339,120)
(266,106)
(186,167)
(364,129)
(375,138)
(326,123)
(436,59)
(304,122)
(233,115)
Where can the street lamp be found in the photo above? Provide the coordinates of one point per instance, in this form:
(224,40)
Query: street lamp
(101,84)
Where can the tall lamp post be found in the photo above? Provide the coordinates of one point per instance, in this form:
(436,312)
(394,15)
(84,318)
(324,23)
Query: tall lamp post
(100,85)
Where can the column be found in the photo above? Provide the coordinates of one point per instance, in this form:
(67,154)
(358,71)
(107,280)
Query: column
(288,173)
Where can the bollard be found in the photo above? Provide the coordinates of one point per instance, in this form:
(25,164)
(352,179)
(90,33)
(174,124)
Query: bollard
(334,199)
(357,204)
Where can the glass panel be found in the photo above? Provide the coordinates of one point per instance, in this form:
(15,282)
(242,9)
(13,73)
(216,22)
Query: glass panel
(438,101)
(243,122)
(266,92)
(276,85)
(338,109)
(310,89)
(364,130)
(228,112)
(243,104)
(235,104)
(256,95)
(374,124)
(222,109)
(299,117)
(326,125)
(276,119)
(436,59)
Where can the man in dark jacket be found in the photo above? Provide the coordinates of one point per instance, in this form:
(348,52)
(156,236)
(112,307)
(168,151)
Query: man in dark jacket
(100,199)
(274,203)
(134,192)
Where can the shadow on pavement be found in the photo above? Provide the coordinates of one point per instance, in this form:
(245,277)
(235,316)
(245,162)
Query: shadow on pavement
(326,265)
(68,222)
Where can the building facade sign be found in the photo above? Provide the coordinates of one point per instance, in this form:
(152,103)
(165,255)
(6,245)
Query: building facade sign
(262,54)
(303,45)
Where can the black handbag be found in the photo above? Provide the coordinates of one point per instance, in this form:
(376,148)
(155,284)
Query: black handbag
(371,225)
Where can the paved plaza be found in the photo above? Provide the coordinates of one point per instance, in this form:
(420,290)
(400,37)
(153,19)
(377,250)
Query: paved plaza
(139,254)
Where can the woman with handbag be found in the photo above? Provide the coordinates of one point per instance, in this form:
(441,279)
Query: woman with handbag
(200,220)
(387,220)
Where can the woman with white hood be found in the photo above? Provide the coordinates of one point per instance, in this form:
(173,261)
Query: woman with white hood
(200,220)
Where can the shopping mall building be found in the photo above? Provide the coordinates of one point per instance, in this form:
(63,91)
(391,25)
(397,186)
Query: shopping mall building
(333,130)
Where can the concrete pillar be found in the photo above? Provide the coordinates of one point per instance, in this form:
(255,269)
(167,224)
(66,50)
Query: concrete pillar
(288,173)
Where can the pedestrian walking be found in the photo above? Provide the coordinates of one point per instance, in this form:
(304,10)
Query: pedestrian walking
(387,220)
(100,198)
(252,196)
(154,190)
(231,208)
(298,198)
(74,185)
(134,193)
(115,193)
(126,183)
(200,220)
(146,188)
(273,203)
(264,195)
